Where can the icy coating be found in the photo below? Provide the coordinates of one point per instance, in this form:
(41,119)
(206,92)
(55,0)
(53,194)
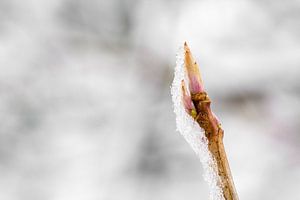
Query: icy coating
(192,132)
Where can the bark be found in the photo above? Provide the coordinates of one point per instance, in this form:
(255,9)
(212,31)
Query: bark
(214,133)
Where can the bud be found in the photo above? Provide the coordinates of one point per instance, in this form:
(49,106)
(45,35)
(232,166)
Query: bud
(192,70)
(187,101)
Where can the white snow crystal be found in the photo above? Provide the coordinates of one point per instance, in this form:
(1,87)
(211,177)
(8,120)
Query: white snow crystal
(192,132)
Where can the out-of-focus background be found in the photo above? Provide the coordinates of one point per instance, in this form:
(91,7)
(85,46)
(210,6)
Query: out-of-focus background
(85,104)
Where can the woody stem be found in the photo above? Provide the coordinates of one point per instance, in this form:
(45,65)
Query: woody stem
(214,134)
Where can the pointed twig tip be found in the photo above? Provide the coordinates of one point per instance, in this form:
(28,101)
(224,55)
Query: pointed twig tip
(193,72)
(186,47)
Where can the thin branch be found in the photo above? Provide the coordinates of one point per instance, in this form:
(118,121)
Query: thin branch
(196,104)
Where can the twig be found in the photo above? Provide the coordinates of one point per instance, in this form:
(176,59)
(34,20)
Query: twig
(197,104)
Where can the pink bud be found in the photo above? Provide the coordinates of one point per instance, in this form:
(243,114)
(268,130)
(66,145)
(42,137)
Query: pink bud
(192,70)
(187,101)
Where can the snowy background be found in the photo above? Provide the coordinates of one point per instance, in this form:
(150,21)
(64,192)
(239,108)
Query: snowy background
(85,104)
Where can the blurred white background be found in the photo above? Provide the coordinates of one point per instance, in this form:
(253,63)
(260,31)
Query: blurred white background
(85,104)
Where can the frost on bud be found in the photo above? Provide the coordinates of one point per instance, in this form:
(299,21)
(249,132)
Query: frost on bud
(187,101)
(192,70)
(192,105)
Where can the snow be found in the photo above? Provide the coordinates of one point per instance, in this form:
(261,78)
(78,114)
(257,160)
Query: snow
(69,130)
(193,133)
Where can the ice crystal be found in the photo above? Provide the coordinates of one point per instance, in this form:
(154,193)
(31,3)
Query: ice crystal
(192,132)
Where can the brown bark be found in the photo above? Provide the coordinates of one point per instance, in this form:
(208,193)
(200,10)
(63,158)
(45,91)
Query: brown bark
(214,134)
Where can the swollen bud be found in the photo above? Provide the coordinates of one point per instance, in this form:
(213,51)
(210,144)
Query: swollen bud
(192,70)
(187,101)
